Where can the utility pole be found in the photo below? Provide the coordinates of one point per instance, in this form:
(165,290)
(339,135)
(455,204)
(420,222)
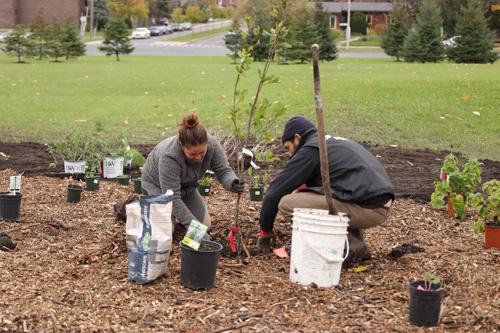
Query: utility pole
(91,19)
(348,28)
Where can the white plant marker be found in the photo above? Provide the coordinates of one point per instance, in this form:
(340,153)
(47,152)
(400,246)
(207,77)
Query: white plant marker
(15,184)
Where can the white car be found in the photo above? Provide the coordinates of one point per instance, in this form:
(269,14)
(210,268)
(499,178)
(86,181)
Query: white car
(450,43)
(4,35)
(141,33)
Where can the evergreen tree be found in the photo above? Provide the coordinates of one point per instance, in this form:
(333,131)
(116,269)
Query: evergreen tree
(301,37)
(397,30)
(116,39)
(72,44)
(475,43)
(55,47)
(18,44)
(324,38)
(39,35)
(101,14)
(358,23)
(423,44)
(233,41)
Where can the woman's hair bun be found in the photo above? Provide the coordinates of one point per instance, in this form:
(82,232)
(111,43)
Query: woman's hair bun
(190,121)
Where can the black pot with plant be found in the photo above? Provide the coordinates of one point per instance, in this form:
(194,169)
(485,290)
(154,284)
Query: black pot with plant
(123,179)
(425,301)
(138,185)
(205,185)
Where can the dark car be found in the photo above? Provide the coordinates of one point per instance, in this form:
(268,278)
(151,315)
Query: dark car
(156,31)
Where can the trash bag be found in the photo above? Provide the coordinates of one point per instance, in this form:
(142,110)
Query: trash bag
(149,237)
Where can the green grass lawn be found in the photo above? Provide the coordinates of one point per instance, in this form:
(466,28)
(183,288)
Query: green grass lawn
(198,35)
(376,100)
(367,41)
(360,49)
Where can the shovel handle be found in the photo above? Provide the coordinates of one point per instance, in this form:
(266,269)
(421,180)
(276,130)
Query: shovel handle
(323,156)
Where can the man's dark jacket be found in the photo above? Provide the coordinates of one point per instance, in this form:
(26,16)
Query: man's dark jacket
(355,176)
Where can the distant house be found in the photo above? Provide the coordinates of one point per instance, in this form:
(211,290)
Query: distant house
(376,12)
(13,12)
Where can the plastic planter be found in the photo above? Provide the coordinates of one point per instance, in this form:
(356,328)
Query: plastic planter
(198,268)
(491,236)
(257,193)
(204,190)
(425,306)
(10,206)
(92,183)
(138,185)
(123,180)
(74,193)
(72,167)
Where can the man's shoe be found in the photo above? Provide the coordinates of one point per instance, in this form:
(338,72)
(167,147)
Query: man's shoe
(358,251)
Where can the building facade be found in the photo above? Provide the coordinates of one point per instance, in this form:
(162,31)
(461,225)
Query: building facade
(13,12)
(377,12)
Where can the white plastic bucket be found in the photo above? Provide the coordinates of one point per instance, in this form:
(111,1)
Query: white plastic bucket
(112,167)
(74,166)
(319,241)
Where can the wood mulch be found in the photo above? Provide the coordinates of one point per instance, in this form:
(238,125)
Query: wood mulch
(69,274)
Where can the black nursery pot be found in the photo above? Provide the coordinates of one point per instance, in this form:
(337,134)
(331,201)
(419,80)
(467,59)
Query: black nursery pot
(204,190)
(74,193)
(137,185)
(92,183)
(257,193)
(123,180)
(425,306)
(198,268)
(10,206)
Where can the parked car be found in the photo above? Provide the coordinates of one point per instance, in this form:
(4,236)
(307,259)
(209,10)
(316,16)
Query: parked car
(141,33)
(186,26)
(4,35)
(156,31)
(451,42)
(164,30)
(175,27)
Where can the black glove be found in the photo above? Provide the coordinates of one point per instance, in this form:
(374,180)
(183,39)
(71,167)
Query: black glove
(238,186)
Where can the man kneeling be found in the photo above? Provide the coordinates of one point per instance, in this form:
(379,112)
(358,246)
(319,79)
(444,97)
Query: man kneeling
(360,186)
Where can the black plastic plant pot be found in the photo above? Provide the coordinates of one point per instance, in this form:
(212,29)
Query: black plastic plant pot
(123,180)
(137,185)
(198,268)
(257,193)
(92,183)
(204,190)
(74,193)
(425,306)
(10,206)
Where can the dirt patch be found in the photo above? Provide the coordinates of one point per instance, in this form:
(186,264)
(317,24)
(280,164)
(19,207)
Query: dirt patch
(69,273)
(412,172)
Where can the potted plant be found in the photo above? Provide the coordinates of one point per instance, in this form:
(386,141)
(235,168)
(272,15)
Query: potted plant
(204,185)
(73,150)
(456,186)
(257,185)
(489,212)
(94,157)
(138,185)
(425,301)
(116,151)
(10,206)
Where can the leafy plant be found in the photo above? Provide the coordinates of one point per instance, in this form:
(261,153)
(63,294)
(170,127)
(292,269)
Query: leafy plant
(118,147)
(488,207)
(257,181)
(73,147)
(457,186)
(430,280)
(94,157)
(206,181)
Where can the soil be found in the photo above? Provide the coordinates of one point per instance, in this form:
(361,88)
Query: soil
(68,271)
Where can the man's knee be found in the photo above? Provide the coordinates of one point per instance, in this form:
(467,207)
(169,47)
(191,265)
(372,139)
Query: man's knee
(286,206)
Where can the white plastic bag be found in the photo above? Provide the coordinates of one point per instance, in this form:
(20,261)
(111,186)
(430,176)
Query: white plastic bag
(149,237)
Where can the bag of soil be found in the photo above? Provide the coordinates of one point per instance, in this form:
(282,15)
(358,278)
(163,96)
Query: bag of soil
(149,237)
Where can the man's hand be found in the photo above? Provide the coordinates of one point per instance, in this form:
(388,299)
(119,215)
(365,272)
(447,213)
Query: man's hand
(238,186)
(266,241)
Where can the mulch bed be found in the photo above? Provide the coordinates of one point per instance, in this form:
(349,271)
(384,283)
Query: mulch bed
(69,270)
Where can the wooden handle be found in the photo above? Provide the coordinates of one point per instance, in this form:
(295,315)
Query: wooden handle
(323,156)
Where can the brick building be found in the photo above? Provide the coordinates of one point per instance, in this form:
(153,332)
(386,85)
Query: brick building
(14,12)
(376,12)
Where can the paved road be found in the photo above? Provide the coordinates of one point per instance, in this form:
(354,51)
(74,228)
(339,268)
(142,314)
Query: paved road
(211,46)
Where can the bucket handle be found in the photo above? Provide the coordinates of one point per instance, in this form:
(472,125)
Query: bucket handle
(330,260)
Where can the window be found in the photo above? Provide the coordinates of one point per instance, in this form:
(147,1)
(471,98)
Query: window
(369,20)
(333,21)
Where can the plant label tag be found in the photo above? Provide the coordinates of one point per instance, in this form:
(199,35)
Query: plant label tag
(254,165)
(207,190)
(15,184)
(257,192)
(194,234)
